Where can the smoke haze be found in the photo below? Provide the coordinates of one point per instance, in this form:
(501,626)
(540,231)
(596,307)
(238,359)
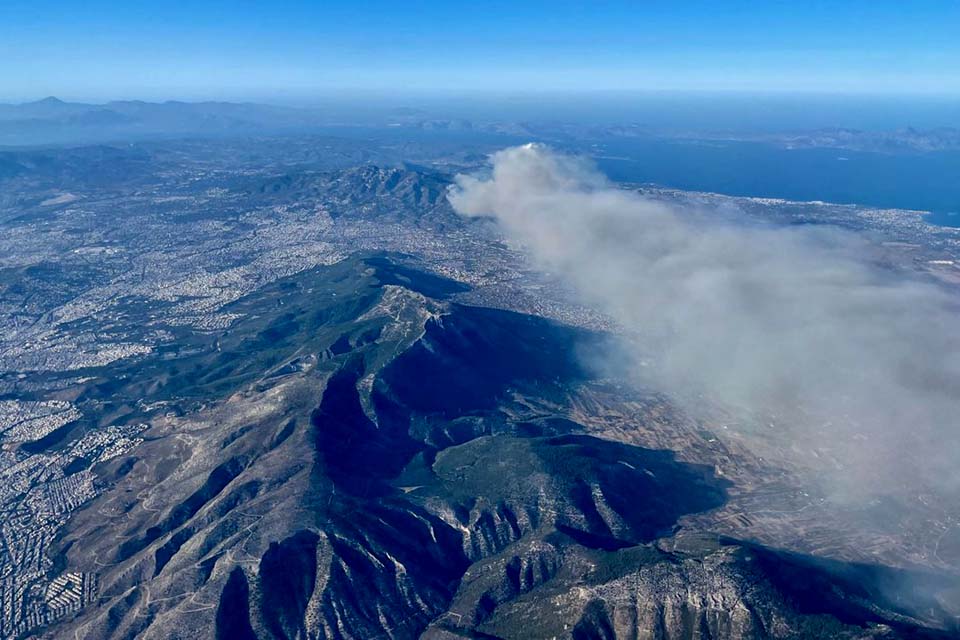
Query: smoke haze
(794,324)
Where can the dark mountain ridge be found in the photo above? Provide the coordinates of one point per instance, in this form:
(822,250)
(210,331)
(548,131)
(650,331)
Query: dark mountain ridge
(389,194)
(383,463)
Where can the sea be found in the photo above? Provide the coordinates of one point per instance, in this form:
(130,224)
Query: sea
(924,181)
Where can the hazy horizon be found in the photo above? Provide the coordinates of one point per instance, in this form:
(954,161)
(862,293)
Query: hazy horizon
(696,110)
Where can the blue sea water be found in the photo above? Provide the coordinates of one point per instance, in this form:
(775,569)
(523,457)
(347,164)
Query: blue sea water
(909,180)
(923,181)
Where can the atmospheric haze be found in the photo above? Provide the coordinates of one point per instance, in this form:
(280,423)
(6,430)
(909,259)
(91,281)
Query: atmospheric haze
(801,328)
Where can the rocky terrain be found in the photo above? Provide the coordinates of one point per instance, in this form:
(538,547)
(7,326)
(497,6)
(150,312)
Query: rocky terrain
(341,411)
(403,465)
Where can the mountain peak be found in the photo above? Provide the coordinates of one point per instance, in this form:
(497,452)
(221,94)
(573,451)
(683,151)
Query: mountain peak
(49,100)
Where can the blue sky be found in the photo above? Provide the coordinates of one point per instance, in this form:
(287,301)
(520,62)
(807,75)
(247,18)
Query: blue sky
(103,49)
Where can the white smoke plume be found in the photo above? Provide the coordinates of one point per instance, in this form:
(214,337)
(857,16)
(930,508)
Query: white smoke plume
(794,323)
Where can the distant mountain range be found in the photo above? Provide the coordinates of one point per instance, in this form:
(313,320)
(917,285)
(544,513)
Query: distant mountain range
(128,111)
(54,121)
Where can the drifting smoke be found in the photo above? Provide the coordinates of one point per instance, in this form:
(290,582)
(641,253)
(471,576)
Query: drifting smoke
(849,357)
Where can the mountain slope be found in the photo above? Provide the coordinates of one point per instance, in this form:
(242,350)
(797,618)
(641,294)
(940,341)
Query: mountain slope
(385,463)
